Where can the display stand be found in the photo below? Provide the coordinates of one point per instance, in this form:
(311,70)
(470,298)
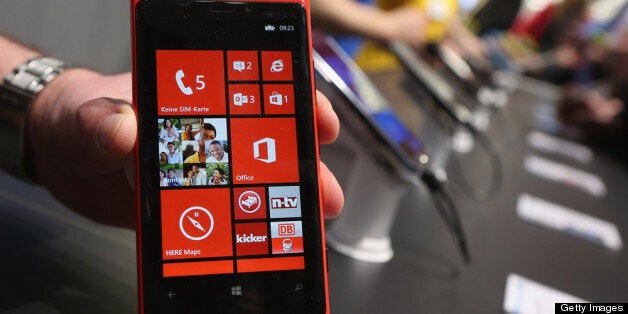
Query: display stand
(372,197)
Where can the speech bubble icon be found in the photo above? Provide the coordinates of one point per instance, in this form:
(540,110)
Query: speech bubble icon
(239,66)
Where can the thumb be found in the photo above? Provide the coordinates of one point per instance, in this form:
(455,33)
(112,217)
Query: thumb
(116,127)
(95,138)
(116,135)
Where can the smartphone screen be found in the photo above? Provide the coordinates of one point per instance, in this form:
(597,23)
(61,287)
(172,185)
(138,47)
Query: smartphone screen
(341,71)
(228,181)
(439,89)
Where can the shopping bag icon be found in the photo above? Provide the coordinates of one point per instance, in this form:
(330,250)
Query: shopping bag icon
(276,99)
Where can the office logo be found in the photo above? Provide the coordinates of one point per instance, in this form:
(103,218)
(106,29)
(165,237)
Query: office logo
(264,150)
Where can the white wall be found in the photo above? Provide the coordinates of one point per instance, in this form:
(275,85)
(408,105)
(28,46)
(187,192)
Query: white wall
(92,33)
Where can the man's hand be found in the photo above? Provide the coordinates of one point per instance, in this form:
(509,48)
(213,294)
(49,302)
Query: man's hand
(405,24)
(81,134)
(328,128)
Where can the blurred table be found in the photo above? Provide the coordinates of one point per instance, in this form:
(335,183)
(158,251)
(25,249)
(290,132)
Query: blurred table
(427,275)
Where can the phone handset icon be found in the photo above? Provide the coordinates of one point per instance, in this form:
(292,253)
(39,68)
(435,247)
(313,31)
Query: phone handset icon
(184,89)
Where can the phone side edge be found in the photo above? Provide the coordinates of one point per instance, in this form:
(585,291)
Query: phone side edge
(138,233)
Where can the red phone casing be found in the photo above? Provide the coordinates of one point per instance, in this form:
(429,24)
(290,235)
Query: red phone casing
(306,5)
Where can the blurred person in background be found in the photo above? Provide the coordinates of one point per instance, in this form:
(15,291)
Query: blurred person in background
(601,114)
(414,22)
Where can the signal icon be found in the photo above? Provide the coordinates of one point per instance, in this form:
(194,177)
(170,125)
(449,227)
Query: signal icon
(269,28)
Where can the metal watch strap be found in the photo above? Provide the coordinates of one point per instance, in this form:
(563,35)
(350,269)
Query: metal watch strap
(17,92)
(33,75)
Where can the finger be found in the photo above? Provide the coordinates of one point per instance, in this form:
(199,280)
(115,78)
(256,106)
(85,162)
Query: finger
(328,124)
(112,124)
(95,137)
(333,197)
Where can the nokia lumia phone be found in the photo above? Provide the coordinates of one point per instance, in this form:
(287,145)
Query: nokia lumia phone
(444,95)
(368,105)
(227,158)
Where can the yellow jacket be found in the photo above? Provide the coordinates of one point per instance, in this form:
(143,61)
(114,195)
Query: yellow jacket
(439,13)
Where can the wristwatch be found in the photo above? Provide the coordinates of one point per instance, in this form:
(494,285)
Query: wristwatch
(17,92)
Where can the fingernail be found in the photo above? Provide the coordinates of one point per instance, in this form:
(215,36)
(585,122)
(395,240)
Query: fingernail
(112,131)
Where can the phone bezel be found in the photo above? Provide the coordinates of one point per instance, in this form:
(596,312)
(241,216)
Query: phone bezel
(169,18)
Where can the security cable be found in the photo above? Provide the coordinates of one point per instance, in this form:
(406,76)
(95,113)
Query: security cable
(363,109)
(445,96)
(448,211)
(472,190)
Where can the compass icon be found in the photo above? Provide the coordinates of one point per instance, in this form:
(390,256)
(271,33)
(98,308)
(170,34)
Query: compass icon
(196,223)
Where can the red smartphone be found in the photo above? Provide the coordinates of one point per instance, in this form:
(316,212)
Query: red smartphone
(229,200)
